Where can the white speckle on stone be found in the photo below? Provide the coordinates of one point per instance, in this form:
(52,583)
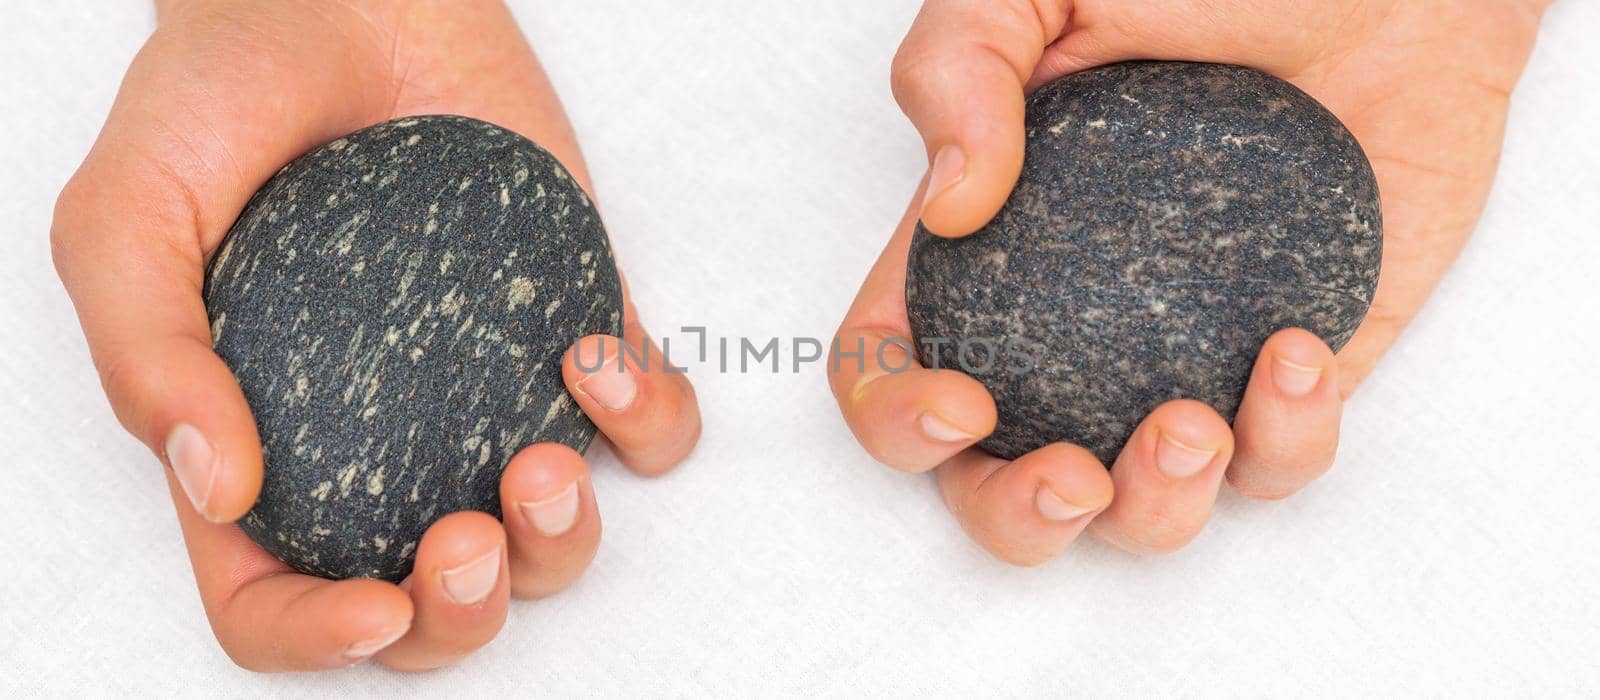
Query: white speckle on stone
(375,482)
(520,292)
(347,478)
(556,407)
(452,302)
(465,183)
(412,141)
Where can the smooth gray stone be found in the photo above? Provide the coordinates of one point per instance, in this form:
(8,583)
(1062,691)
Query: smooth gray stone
(395,305)
(1170,217)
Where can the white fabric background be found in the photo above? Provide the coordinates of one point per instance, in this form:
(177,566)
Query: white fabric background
(751,163)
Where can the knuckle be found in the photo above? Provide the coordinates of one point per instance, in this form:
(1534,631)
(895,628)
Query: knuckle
(539,580)
(237,649)
(906,73)
(1021,556)
(65,226)
(124,381)
(1264,480)
(1258,492)
(1162,532)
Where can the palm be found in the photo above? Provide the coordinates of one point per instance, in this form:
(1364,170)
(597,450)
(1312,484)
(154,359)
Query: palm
(1429,106)
(402,62)
(1422,84)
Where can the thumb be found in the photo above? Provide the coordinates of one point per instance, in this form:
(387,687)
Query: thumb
(138,297)
(187,142)
(960,76)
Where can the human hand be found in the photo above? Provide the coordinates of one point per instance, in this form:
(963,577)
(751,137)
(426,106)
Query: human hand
(223,94)
(1423,84)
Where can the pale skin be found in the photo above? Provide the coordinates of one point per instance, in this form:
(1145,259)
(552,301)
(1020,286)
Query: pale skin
(1423,84)
(222,95)
(227,91)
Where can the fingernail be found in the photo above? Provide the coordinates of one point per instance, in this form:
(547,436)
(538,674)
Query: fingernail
(363,649)
(555,515)
(941,430)
(471,583)
(1293,379)
(194,462)
(1181,461)
(1053,508)
(612,386)
(949,167)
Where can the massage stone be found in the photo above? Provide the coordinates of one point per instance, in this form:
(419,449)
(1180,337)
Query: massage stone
(395,305)
(1169,218)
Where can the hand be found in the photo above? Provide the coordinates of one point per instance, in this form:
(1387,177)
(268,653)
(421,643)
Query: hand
(223,94)
(1423,84)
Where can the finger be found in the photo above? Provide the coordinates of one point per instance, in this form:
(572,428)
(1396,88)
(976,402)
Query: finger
(1027,511)
(905,415)
(959,75)
(1166,479)
(550,517)
(461,590)
(134,227)
(1287,429)
(269,618)
(645,407)
(138,298)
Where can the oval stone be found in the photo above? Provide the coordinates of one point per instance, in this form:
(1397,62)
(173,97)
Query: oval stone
(1169,218)
(396,305)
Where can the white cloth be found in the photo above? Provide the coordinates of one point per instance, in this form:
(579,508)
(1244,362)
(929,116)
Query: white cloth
(751,163)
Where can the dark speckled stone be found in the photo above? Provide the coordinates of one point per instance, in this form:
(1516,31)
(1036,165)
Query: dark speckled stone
(395,305)
(1170,217)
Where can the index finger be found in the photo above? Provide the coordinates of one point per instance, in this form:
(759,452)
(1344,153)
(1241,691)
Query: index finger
(960,76)
(907,416)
